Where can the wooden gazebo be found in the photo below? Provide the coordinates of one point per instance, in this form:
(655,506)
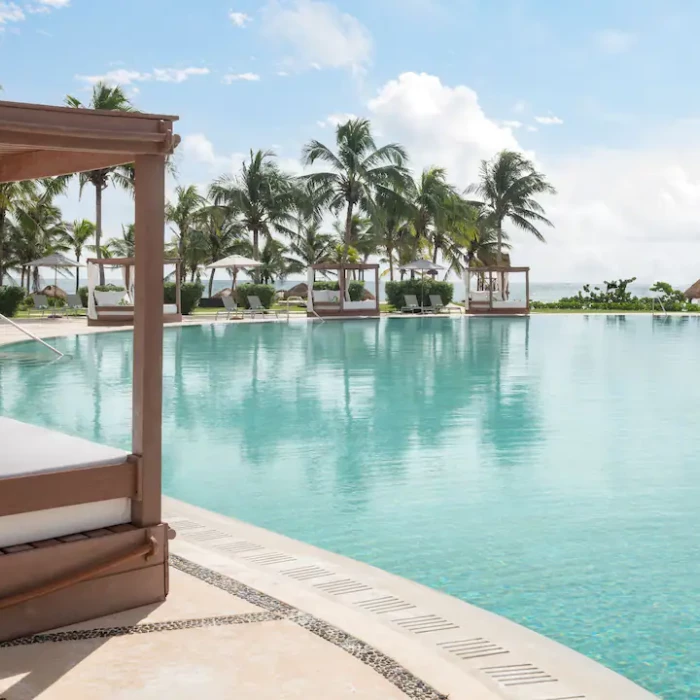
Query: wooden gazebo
(113,308)
(491,294)
(81,533)
(337,303)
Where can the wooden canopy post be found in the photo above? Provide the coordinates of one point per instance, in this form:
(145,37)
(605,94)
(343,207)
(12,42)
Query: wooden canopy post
(147,401)
(376,286)
(178,286)
(527,289)
(341,286)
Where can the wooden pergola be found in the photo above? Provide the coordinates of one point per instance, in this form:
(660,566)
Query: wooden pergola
(339,304)
(71,577)
(494,299)
(122,314)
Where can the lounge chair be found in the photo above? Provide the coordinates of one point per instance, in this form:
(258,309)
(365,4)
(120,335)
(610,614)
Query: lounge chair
(436,303)
(256,307)
(41,303)
(412,306)
(230,308)
(74,303)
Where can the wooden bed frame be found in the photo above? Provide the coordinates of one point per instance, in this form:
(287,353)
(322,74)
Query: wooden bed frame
(339,309)
(486,307)
(84,575)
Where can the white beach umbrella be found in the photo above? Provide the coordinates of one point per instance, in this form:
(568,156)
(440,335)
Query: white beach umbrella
(234,263)
(422,266)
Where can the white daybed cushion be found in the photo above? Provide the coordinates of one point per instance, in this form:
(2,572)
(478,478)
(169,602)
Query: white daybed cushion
(479,296)
(514,304)
(27,449)
(110,298)
(357,305)
(170,308)
(326,296)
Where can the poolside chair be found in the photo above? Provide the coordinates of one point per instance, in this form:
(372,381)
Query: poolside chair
(41,303)
(256,307)
(436,303)
(412,306)
(230,308)
(74,303)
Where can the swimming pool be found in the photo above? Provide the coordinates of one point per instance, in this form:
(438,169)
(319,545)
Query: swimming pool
(546,469)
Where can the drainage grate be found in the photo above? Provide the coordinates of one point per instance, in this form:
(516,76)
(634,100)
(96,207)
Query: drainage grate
(473,648)
(343,587)
(269,558)
(518,674)
(185,525)
(425,624)
(306,573)
(238,547)
(206,535)
(385,604)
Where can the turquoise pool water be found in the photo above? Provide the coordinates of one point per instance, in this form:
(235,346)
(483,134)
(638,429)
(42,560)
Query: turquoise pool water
(545,469)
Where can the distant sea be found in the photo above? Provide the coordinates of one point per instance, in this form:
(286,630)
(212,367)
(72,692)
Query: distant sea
(539,291)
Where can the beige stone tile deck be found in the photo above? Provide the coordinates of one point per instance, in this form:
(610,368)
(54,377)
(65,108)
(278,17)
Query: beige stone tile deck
(271,660)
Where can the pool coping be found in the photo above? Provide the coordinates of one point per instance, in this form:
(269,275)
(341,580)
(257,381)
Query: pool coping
(459,649)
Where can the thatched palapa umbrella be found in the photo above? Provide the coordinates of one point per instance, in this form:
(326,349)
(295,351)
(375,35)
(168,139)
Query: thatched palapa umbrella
(693,292)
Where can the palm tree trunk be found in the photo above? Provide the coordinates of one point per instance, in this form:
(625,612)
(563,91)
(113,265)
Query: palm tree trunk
(211,282)
(77,274)
(348,232)
(435,252)
(390,253)
(499,256)
(98,228)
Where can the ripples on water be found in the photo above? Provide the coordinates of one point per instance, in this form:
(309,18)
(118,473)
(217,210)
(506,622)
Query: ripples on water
(545,469)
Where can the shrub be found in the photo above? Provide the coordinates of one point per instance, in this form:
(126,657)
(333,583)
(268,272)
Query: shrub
(10,299)
(356,288)
(190,294)
(396,291)
(264,292)
(83,292)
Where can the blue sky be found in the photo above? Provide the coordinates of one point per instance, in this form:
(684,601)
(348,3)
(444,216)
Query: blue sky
(600,93)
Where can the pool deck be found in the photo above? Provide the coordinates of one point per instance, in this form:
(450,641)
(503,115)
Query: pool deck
(256,615)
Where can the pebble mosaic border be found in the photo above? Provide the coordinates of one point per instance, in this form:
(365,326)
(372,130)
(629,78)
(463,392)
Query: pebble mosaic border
(147,628)
(384,665)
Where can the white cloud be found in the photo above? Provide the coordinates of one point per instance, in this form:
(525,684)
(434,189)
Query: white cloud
(614,42)
(122,76)
(439,124)
(336,119)
(177,75)
(512,124)
(282,73)
(234,77)
(45,6)
(318,34)
(9,12)
(550,120)
(197,149)
(55,3)
(240,19)
(531,128)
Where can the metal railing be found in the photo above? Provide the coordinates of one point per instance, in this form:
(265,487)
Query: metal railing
(31,335)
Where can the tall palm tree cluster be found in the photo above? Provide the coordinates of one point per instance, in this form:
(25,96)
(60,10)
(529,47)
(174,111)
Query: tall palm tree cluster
(380,209)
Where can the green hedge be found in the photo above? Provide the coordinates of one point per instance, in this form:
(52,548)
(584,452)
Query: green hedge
(190,294)
(396,291)
(264,292)
(356,288)
(10,299)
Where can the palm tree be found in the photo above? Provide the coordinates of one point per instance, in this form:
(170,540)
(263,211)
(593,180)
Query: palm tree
(309,246)
(124,247)
(77,235)
(114,99)
(430,196)
(37,231)
(215,236)
(183,214)
(276,264)
(508,185)
(359,170)
(262,196)
(391,224)
(11,194)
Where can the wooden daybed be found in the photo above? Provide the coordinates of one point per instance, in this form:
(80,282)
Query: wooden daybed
(81,533)
(494,296)
(337,303)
